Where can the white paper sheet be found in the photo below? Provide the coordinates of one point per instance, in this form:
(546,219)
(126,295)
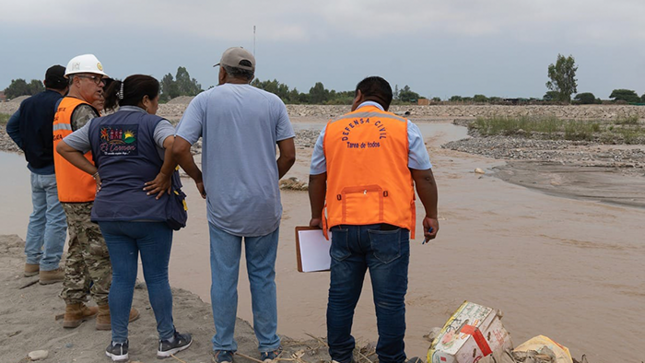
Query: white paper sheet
(314,250)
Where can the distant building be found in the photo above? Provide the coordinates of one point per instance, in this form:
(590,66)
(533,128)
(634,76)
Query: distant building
(3,98)
(423,102)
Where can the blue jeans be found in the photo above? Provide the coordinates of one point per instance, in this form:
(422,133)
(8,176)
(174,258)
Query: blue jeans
(260,255)
(125,240)
(385,251)
(47,224)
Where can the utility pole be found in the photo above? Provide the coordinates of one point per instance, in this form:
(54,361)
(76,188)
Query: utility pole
(254,40)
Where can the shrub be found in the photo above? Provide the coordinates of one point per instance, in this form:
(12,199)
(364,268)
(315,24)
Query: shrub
(627,120)
(480,99)
(580,130)
(624,95)
(4,118)
(586,98)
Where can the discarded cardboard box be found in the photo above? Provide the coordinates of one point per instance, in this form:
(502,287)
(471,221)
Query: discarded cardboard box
(471,333)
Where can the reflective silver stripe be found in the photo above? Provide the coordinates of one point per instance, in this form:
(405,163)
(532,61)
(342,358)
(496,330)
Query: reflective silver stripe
(369,115)
(62,127)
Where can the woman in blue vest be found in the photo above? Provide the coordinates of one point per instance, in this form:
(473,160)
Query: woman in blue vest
(134,164)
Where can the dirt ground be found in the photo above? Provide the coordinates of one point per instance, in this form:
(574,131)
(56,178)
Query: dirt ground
(31,321)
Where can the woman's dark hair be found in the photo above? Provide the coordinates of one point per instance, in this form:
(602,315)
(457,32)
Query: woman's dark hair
(130,91)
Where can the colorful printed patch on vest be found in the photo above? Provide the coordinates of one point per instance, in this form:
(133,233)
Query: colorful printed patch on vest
(119,140)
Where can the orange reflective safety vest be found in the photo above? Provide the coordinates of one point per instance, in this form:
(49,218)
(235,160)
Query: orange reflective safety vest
(74,185)
(368,180)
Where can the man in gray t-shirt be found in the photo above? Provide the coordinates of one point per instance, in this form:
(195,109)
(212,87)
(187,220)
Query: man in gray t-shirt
(240,126)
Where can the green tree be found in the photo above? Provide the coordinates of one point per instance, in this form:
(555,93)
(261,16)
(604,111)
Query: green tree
(643,98)
(20,87)
(408,95)
(340,97)
(551,96)
(169,89)
(181,85)
(480,99)
(585,98)
(495,99)
(35,86)
(436,99)
(294,96)
(456,98)
(318,94)
(562,77)
(624,95)
(303,98)
(279,89)
(187,86)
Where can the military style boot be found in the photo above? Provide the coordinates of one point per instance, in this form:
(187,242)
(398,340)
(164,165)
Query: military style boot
(103,321)
(75,314)
(31,269)
(51,277)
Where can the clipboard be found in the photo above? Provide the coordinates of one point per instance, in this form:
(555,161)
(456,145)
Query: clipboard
(312,250)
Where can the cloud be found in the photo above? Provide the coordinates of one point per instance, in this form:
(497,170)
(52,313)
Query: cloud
(440,48)
(300,21)
(232,21)
(551,20)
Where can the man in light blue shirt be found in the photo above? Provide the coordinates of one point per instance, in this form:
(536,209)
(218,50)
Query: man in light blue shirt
(365,196)
(240,126)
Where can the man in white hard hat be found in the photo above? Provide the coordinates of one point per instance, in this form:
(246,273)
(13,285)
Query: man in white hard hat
(88,260)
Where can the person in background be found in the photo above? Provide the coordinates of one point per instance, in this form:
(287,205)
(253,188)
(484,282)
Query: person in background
(87,267)
(31,129)
(240,126)
(364,167)
(99,104)
(132,149)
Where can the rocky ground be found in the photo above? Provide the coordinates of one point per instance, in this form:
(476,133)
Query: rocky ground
(175,108)
(631,159)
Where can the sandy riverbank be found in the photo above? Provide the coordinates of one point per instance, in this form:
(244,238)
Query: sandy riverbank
(31,316)
(567,268)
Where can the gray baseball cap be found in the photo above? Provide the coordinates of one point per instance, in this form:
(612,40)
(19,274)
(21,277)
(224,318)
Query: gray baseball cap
(235,57)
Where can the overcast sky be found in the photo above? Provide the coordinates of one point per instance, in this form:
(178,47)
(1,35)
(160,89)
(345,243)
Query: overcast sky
(438,48)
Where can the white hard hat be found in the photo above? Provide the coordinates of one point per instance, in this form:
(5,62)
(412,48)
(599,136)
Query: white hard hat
(86,63)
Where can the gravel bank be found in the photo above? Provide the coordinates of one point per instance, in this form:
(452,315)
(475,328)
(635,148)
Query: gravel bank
(564,151)
(175,108)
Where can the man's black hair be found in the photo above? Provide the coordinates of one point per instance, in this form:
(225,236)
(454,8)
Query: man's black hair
(239,72)
(376,89)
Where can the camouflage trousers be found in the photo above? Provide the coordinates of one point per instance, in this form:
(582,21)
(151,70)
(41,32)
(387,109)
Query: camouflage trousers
(87,267)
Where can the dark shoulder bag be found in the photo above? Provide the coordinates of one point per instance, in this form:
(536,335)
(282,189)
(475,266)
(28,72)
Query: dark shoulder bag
(176,208)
